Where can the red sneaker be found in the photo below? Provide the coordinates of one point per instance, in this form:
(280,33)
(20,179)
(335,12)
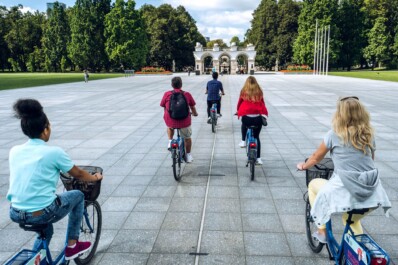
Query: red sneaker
(80,248)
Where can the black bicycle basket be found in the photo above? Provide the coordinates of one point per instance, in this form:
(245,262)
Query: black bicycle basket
(323,169)
(91,190)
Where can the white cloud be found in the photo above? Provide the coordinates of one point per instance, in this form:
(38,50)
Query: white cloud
(220,19)
(215,4)
(224,25)
(26,9)
(230,18)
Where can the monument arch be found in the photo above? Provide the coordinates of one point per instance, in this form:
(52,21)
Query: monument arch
(226,60)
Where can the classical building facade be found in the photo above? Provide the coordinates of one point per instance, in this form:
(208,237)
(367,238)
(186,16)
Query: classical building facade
(231,60)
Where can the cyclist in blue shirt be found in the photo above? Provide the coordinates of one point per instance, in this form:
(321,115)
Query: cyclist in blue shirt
(213,89)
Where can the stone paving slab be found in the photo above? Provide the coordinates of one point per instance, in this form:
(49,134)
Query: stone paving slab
(149,218)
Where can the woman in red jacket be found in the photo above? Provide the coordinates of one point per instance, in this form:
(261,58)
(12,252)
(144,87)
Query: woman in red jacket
(250,107)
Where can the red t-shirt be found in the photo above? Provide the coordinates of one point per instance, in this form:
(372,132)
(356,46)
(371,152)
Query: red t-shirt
(171,123)
(251,108)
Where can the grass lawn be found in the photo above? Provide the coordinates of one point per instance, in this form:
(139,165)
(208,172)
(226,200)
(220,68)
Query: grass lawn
(368,74)
(20,80)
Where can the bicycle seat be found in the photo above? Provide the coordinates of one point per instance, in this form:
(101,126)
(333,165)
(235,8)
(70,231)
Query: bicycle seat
(358,211)
(33,228)
(252,127)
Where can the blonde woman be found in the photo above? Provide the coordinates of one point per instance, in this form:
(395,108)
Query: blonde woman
(355,183)
(250,107)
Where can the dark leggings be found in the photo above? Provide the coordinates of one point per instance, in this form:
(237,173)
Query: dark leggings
(253,121)
(210,104)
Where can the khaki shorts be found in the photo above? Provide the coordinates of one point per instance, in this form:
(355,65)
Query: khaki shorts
(186,132)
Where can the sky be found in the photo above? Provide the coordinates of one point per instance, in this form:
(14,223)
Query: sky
(216,19)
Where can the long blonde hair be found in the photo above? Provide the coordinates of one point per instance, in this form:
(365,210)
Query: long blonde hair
(351,123)
(251,90)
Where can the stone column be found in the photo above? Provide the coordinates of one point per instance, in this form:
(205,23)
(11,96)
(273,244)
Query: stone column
(250,64)
(234,67)
(216,64)
(198,66)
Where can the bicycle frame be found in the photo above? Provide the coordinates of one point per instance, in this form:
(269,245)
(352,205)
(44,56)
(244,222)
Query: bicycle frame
(40,256)
(213,111)
(178,144)
(337,251)
(251,144)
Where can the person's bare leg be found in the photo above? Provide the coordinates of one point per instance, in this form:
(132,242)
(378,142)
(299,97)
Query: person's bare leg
(188,144)
(170,133)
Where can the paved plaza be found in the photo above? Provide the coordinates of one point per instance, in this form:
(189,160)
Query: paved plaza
(149,218)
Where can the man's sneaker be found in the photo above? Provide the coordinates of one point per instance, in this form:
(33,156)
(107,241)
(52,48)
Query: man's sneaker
(259,161)
(219,115)
(242,144)
(188,158)
(80,248)
(209,120)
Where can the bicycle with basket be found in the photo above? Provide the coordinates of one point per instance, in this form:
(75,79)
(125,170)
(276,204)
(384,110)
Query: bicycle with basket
(353,249)
(90,229)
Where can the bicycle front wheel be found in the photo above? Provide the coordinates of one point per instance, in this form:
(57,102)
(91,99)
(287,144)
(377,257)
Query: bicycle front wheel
(176,165)
(311,227)
(90,230)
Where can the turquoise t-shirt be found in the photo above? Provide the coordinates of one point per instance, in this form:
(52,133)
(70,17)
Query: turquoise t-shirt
(34,174)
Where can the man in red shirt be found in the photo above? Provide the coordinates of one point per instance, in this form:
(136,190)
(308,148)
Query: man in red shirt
(185,124)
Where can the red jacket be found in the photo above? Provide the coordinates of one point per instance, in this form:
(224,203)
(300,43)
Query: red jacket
(250,108)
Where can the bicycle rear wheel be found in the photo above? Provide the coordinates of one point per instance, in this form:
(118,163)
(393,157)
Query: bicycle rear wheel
(176,165)
(213,125)
(90,230)
(253,155)
(315,245)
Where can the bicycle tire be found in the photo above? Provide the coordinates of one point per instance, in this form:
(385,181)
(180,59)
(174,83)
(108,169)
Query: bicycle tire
(310,226)
(176,171)
(213,125)
(92,235)
(252,169)
(252,157)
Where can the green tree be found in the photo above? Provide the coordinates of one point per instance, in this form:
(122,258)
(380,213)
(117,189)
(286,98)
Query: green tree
(172,34)
(185,36)
(288,12)
(263,32)
(55,38)
(385,11)
(325,11)
(4,28)
(126,41)
(220,42)
(87,46)
(157,24)
(236,40)
(375,52)
(352,32)
(24,36)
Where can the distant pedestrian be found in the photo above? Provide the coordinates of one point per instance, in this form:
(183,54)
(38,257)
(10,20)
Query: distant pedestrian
(86,76)
(189,71)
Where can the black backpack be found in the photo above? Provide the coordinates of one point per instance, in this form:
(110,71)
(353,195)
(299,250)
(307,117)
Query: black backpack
(178,106)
